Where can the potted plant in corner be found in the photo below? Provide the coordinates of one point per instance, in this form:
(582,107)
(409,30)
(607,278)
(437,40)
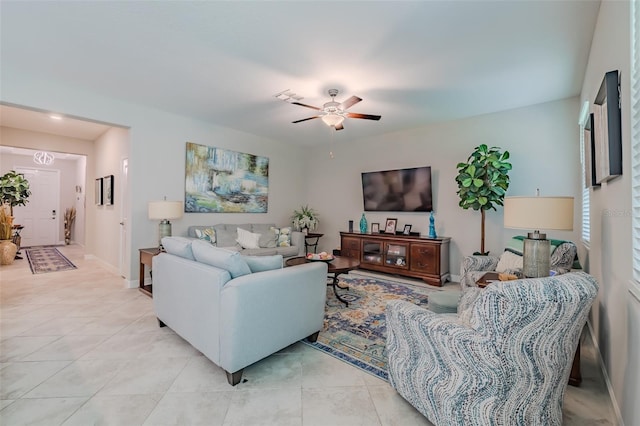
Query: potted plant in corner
(305,219)
(483,181)
(14,191)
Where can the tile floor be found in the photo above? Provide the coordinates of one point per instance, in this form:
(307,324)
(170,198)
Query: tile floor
(77,348)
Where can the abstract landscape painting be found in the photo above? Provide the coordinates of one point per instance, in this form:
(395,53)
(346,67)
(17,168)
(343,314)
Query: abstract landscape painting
(223,181)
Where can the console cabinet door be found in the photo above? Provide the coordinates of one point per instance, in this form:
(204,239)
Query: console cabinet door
(424,258)
(350,247)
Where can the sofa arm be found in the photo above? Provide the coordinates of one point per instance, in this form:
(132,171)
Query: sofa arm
(297,240)
(264,312)
(472,264)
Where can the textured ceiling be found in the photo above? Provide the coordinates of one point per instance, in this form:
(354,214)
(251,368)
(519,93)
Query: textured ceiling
(414,63)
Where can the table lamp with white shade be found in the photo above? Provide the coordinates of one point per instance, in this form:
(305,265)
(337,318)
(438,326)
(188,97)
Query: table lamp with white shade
(536,213)
(165,211)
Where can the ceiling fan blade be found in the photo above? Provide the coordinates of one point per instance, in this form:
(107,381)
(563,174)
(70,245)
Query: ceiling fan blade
(339,127)
(305,119)
(365,116)
(305,105)
(350,102)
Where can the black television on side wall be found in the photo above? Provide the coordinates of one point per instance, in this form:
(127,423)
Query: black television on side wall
(403,190)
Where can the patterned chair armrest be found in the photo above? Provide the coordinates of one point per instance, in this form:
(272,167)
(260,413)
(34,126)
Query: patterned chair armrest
(562,258)
(475,264)
(433,363)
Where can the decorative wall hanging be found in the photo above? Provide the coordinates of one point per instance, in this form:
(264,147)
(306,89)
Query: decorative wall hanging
(589,154)
(107,192)
(223,181)
(98,191)
(608,128)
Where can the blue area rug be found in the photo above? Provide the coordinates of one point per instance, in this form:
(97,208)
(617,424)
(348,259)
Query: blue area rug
(47,259)
(357,334)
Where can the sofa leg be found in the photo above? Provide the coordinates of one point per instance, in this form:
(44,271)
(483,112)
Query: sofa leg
(234,378)
(314,337)
(161,324)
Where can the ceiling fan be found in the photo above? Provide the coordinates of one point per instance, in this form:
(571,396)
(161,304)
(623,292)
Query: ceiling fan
(333,113)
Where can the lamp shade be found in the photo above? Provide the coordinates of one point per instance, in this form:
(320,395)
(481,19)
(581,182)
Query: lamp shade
(539,213)
(161,210)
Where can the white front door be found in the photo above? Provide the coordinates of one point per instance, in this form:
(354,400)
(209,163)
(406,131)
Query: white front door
(40,217)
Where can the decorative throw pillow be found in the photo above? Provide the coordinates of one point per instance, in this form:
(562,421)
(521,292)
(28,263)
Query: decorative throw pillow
(226,238)
(509,262)
(268,238)
(207,234)
(283,236)
(247,239)
(263,263)
(179,246)
(221,258)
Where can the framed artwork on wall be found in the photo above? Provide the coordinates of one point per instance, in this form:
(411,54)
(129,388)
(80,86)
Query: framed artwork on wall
(98,192)
(107,192)
(608,128)
(223,181)
(589,154)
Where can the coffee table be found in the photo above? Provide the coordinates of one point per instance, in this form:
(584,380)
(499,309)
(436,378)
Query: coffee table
(337,267)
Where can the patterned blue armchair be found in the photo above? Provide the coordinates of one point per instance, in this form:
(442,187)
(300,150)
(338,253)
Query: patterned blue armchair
(472,268)
(504,359)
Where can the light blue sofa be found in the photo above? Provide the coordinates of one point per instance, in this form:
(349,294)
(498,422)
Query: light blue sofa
(504,359)
(211,298)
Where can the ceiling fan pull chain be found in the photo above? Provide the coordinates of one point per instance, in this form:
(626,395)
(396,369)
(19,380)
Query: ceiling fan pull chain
(331,143)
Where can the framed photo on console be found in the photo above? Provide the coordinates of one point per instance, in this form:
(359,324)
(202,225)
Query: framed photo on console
(390,226)
(375,228)
(407,230)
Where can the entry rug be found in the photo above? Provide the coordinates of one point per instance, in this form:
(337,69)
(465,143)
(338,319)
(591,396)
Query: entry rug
(47,259)
(357,334)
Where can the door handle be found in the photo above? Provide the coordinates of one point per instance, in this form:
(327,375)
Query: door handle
(122,223)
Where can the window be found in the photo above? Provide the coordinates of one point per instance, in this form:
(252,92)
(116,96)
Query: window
(586,221)
(635,138)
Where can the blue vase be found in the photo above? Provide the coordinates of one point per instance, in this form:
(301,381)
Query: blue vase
(432,227)
(363,224)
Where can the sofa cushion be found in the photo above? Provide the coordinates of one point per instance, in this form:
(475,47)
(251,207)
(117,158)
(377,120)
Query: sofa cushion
(263,263)
(283,236)
(248,240)
(226,238)
(179,246)
(221,258)
(260,228)
(287,251)
(259,252)
(268,238)
(207,234)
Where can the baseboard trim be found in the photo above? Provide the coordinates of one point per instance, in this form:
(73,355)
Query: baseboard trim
(614,402)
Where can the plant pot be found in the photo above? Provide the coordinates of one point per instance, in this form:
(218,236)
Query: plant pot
(8,252)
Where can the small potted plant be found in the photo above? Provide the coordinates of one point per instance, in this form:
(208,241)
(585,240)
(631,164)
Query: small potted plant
(305,219)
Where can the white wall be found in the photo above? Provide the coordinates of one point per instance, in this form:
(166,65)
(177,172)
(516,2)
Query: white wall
(72,172)
(543,141)
(157,156)
(616,314)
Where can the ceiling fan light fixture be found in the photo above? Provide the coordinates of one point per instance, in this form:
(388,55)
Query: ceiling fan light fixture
(332,119)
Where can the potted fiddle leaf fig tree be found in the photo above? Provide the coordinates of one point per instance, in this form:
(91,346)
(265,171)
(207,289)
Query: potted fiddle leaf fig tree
(14,191)
(482,182)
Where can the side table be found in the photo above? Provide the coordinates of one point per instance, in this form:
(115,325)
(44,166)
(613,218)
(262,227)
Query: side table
(311,241)
(146,257)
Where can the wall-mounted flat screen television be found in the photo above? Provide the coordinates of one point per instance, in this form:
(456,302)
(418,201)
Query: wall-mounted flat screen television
(404,190)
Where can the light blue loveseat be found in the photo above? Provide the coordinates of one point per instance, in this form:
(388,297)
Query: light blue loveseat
(211,298)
